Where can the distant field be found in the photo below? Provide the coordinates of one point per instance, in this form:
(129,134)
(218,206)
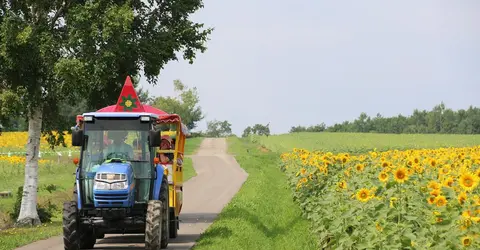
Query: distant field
(361,142)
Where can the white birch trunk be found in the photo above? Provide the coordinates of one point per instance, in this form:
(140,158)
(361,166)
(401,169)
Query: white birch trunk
(28,210)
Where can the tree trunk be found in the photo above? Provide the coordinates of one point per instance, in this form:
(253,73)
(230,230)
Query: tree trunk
(28,211)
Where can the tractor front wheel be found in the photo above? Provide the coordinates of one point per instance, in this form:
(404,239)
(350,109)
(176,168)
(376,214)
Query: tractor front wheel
(74,236)
(70,226)
(153,225)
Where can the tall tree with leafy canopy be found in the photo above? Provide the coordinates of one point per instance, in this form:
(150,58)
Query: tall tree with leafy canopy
(185,104)
(55,52)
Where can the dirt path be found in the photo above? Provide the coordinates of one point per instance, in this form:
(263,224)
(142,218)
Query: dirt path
(218,178)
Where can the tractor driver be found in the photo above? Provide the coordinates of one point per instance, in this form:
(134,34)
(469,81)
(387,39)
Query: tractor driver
(118,146)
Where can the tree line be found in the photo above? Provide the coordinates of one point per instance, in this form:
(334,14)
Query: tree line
(439,120)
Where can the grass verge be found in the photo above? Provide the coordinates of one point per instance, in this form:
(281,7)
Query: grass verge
(191,147)
(262,215)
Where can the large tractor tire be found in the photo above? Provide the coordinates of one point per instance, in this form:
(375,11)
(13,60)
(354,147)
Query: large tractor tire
(173,226)
(70,226)
(75,237)
(164,198)
(153,225)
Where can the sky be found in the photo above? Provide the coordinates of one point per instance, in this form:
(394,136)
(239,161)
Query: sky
(291,63)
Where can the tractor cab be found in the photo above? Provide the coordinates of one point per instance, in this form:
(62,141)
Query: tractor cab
(116,166)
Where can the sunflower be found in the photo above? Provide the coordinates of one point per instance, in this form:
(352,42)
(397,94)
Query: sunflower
(434,185)
(448,182)
(383,176)
(462,197)
(468,181)
(444,170)
(303,171)
(393,201)
(360,167)
(409,163)
(440,201)
(342,184)
(363,195)
(416,160)
(435,192)
(467,241)
(401,175)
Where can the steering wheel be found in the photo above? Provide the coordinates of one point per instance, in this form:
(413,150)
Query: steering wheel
(120,155)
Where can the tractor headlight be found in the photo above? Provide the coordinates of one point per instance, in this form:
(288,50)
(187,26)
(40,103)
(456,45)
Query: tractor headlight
(119,185)
(101,185)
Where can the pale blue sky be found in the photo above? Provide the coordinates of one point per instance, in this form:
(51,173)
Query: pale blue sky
(306,62)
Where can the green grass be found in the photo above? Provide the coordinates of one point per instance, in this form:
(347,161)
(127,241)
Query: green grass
(191,146)
(262,214)
(362,142)
(61,175)
(16,237)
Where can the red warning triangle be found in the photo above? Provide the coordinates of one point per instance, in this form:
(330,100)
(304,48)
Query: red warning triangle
(128,100)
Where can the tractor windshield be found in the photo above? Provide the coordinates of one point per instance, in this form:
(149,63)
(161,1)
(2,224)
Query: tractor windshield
(120,138)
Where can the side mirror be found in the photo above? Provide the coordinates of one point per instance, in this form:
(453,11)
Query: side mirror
(77,138)
(154,138)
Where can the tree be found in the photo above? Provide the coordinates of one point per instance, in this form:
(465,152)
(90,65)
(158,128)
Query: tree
(316,128)
(438,120)
(184,104)
(219,128)
(10,108)
(257,129)
(247,131)
(55,52)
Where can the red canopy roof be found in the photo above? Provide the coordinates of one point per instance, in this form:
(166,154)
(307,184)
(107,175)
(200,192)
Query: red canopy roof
(146,108)
(128,101)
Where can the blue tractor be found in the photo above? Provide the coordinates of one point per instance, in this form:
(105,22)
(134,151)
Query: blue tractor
(119,186)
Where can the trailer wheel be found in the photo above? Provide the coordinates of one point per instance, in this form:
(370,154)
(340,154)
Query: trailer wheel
(173,227)
(153,225)
(70,226)
(164,198)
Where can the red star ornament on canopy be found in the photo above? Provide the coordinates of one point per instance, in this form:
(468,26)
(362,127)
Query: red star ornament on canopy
(128,100)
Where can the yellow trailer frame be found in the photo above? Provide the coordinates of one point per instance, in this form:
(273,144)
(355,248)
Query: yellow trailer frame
(174,169)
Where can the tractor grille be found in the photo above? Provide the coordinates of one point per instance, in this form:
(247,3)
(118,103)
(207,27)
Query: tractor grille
(111,197)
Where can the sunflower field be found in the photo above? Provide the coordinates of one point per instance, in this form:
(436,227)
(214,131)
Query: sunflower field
(409,199)
(17,141)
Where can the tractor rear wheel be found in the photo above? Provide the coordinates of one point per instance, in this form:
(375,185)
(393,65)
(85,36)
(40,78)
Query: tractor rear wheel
(164,198)
(70,226)
(173,224)
(153,225)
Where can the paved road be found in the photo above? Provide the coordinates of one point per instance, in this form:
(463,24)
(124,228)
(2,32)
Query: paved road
(218,178)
